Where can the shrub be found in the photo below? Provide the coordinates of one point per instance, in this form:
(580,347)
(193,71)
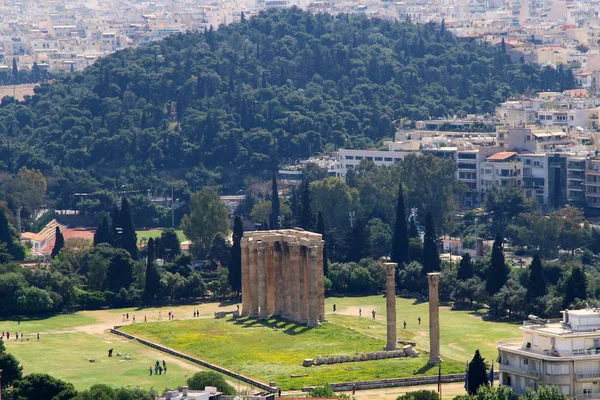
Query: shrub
(420,395)
(202,379)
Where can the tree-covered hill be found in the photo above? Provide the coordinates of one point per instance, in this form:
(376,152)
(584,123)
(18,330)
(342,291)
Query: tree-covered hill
(215,107)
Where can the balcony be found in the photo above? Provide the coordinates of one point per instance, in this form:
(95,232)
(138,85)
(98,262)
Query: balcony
(576,167)
(593,376)
(518,347)
(592,183)
(583,396)
(576,187)
(519,370)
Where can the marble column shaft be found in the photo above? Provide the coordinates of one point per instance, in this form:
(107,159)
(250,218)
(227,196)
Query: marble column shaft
(246,300)
(303,264)
(278,270)
(321,281)
(253,275)
(262,281)
(295,281)
(434,317)
(270,271)
(390,302)
(286,281)
(313,279)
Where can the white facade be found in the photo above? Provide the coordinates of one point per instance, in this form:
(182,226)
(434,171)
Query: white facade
(564,353)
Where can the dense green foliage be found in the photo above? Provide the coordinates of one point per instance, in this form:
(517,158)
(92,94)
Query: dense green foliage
(209,107)
(200,380)
(476,374)
(420,395)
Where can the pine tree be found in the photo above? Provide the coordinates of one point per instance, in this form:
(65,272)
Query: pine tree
(476,374)
(275,206)
(128,235)
(498,270)
(576,287)
(152,276)
(465,268)
(59,243)
(305,213)
(235,263)
(400,235)
(413,231)
(536,285)
(431,258)
(102,234)
(321,230)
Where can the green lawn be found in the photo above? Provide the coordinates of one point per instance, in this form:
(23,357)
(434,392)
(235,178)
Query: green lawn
(461,332)
(154,233)
(273,350)
(65,356)
(58,322)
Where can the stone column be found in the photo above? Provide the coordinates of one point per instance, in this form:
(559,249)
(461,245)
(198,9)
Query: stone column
(295,281)
(303,267)
(321,282)
(285,281)
(277,268)
(270,267)
(433,279)
(390,305)
(262,281)
(253,272)
(245,279)
(313,283)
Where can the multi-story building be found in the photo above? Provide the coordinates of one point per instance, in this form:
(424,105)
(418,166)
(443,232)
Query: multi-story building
(592,182)
(563,352)
(501,169)
(576,179)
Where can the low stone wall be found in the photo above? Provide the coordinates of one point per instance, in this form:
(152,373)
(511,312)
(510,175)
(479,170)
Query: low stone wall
(405,351)
(235,375)
(223,314)
(398,382)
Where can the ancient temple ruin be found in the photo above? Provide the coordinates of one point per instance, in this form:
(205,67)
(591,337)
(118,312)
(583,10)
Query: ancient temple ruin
(282,275)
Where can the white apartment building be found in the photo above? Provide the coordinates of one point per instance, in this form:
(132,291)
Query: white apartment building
(350,159)
(563,352)
(501,169)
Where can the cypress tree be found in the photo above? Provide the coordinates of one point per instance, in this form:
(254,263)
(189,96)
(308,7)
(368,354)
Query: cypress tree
(321,230)
(465,268)
(476,374)
(413,231)
(400,235)
(305,215)
(536,285)
(128,235)
(6,236)
(431,258)
(115,227)
(498,270)
(102,234)
(358,242)
(275,206)
(235,263)
(152,276)
(576,287)
(59,243)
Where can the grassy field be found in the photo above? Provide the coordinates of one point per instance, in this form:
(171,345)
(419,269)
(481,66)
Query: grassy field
(154,233)
(65,356)
(60,322)
(274,350)
(270,351)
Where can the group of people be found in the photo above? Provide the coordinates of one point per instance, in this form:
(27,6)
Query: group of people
(7,336)
(373,313)
(158,369)
(196,313)
(126,318)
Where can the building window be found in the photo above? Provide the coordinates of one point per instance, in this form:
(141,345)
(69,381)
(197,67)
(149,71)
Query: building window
(349,157)
(557,369)
(378,158)
(389,159)
(359,157)
(369,158)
